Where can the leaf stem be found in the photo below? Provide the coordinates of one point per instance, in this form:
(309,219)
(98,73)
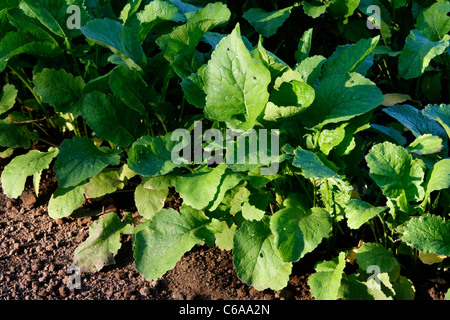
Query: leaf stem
(27,84)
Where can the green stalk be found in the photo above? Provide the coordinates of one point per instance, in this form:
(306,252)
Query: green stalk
(39,101)
(69,48)
(327,196)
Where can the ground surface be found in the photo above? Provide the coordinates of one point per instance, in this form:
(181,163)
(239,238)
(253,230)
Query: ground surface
(36,253)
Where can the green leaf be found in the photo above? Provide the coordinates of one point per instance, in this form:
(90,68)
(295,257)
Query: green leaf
(193,90)
(374,254)
(440,113)
(428,233)
(103,243)
(59,89)
(36,10)
(340,98)
(311,165)
(107,181)
(14,135)
(343,8)
(179,45)
(418,52)
(152,156)
(120,39)
(314,11)
(111,119)
(129,10)
(267,23)
(8,97)
(439,178)
(79,159)
(353,288)
(198,189)
(434,21)
(359,212)
(15,174)
(395,171)
(256,258)
(330,138)
(16,43)
(64,201)
(299,232)
(224,239)
(129,86)
(218,12)
(347,58)
(325,283)
(155,12)
(425,144)
(149,201)
(235,84)
(293,93)
(304,46)
(404,289)
(416,121)
(169,235)
(310,69)
(228,181)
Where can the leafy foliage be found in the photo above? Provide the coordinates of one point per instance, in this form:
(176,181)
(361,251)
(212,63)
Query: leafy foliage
(354,122)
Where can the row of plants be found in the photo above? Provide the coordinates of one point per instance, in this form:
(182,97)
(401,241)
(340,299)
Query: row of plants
(357,118)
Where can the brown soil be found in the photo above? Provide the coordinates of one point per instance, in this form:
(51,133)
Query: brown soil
(36,253)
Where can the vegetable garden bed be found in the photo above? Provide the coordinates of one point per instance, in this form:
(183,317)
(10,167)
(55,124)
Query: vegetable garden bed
(257,150)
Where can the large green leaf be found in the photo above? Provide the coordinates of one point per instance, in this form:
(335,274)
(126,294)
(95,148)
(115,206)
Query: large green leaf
(152,156)
(256,258)
(15,174)
(60,89)
(149,201)
(340,98)
(434,21)
(198,189)
(326,281)
(396,172)
(120,39)
(311,165)
(64,201)
(79,159)
(267,23)
(107,181)
(439,178)
(15,43)
(440,113)
(428,233)
(155,12)
(418,52)
(169,235)
(14,135)
(425,144)
(129,86)
(103,243)
(299,232)
(178,46)
(346,59)
(111,119)
(374,254)
(359,212)
(37,10)
(235,84)
(416,120)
